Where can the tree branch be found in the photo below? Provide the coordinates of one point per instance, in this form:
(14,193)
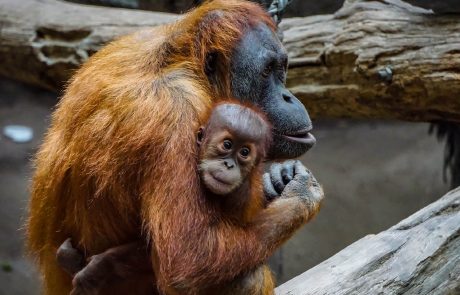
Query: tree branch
(420,255)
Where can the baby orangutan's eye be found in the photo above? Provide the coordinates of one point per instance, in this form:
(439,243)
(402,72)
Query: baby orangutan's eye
(227,144)
(244,152)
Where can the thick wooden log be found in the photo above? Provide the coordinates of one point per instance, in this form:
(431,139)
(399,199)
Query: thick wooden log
(379,59)
(43,41)
(420,256)
(376,59)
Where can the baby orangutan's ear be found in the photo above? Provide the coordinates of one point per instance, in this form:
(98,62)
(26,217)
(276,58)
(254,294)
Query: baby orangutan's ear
(200,135)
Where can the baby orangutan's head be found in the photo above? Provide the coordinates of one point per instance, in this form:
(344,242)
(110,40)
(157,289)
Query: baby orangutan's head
(232,143)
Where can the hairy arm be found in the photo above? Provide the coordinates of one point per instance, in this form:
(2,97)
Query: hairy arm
(243,248)
(195,251)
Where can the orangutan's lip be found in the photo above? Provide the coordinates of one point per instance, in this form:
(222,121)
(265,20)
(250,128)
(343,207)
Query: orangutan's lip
(299,133)
(220,180)
(304,138)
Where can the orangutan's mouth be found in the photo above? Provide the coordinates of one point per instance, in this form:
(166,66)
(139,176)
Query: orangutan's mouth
(302,136)
(220,180)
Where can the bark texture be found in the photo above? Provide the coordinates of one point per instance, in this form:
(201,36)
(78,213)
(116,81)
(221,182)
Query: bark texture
(371,59)
(419,256)
(376,59)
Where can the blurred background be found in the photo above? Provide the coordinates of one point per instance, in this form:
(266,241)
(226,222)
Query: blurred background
(374,173)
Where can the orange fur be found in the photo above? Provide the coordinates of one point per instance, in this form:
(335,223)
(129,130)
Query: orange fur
(253,200)
(112,168)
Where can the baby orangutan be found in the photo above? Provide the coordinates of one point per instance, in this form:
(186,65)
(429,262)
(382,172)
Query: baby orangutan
(232,146)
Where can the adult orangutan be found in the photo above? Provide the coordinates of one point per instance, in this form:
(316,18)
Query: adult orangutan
(115,164)
(232,146)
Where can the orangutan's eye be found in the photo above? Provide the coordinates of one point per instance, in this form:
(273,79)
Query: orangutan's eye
(244,152)
(267,71)
(227,144)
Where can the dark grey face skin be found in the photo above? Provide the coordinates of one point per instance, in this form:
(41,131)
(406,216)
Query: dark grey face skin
(258,75)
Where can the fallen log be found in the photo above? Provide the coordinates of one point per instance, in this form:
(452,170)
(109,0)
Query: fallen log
(420,255)
(376,59)
(371,59)
(43,41)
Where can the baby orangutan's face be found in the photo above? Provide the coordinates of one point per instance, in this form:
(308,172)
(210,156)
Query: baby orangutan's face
(231,145)
(226,161)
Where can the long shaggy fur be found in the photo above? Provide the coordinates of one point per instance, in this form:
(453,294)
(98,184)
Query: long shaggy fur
(117,163)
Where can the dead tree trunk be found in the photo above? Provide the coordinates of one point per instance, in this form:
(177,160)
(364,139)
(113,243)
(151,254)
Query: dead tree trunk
(379,59)
(420,256)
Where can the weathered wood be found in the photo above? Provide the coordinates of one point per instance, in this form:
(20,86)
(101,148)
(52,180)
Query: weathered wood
(420,255)
(340,64)
(43,41)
